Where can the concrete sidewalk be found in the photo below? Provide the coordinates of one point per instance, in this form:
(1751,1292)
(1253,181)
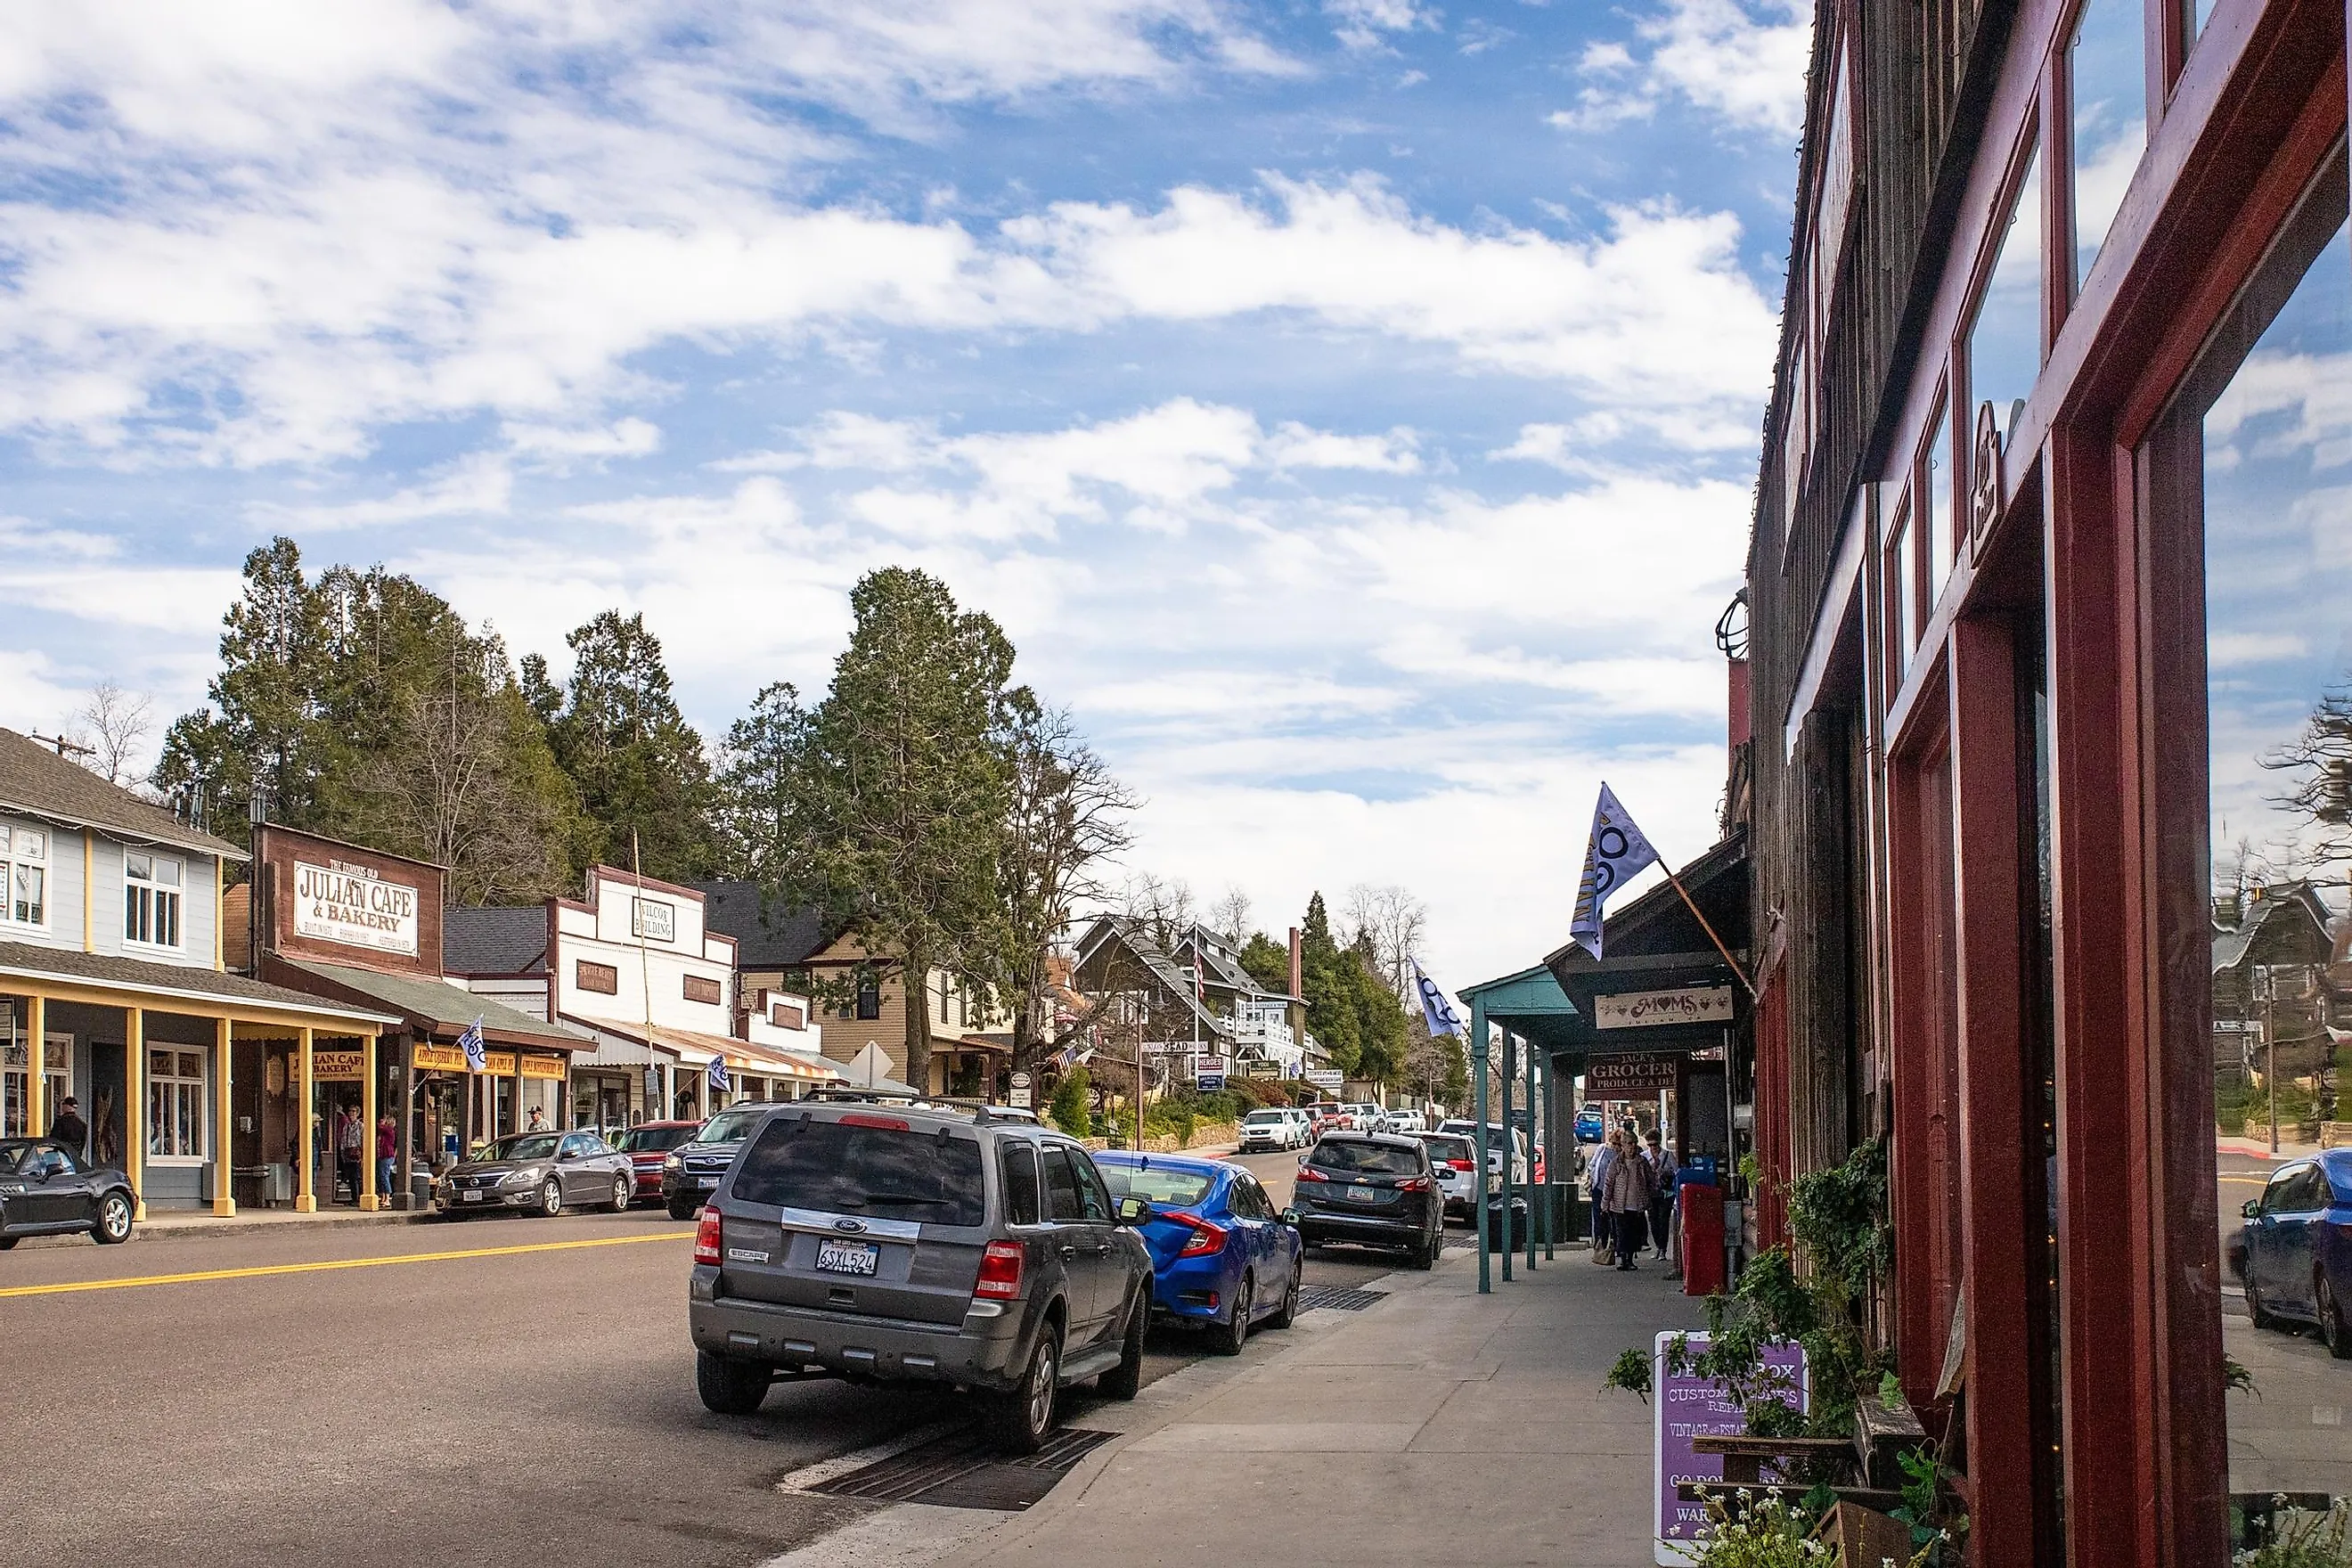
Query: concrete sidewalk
(1437,1426)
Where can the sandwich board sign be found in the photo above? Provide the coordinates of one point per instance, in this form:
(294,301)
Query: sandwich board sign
(1685,1407)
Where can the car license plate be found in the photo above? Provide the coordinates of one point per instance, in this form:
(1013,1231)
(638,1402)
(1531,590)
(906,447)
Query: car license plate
(1362,1194)
(848,1257)
(707,1183)
(471,1197)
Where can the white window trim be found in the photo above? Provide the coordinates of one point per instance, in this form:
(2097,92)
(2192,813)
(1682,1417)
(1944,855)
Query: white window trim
(48,864)
(204,1107)
(180,893)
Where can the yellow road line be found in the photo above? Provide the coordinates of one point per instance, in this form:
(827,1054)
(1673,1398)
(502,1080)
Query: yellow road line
(322,1268)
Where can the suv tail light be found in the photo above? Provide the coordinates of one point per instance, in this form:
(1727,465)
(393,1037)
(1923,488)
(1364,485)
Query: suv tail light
(1457,1164)
(1206,1241)
(1413,1184)
(1309,1173)
(706,1237)
(1000,1271)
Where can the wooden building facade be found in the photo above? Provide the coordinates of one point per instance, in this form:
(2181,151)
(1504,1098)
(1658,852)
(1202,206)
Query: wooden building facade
(2066,349)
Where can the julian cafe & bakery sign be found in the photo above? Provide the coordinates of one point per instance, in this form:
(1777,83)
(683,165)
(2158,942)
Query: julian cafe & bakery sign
(355,906)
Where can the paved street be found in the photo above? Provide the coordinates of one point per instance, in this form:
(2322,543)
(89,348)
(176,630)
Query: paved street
(528,1398)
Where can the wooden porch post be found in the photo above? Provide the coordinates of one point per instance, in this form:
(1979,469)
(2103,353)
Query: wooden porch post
(370,1200)
(306,1195)
(36,1091)
(224,1122)
(134,1105)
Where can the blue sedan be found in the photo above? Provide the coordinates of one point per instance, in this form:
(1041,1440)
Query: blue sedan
(2295,1250)
(1220,1257)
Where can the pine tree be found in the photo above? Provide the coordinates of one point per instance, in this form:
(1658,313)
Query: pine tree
(638,765)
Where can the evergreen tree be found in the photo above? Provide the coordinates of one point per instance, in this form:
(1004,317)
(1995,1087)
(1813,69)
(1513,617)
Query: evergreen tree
(1267,961)
(638,765)
(1348,1008)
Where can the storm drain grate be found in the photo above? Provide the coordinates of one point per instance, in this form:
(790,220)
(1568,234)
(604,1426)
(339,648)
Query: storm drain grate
(1341,1298)
(962,1469)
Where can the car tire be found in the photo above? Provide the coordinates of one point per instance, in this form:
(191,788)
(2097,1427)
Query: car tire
(1425,1257)
(550,1199)
(2334,1332)
(683,1211)
(623,1190)
(1230,1336)
(731,1387)
(6,1242)
(1282,1316)
(1125,1381)
(114,1218)
(1021,1418)
(2255,1313)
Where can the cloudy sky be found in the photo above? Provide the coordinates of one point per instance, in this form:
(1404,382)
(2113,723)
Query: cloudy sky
(1349,408)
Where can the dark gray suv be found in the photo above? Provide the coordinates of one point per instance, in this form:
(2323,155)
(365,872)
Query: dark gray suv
(926,1244)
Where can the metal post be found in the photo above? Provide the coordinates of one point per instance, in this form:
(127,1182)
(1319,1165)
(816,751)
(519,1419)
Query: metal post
(1478,1078)
(1552,1143)
(1535,1189)
(1510,1147)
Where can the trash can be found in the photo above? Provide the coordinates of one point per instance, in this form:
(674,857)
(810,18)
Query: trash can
(1702,1218)
(1502,1238)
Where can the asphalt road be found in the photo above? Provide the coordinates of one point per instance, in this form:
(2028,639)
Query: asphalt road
(497,1406)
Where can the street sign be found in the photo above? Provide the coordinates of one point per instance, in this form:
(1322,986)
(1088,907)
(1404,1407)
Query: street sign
(1687,1407)
(1211,1082)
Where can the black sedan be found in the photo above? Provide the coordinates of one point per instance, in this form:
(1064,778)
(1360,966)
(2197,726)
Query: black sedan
(539,1173)
(1375,1188)
(46,1189)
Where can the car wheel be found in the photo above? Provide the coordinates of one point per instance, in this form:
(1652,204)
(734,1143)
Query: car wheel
(6,1242)
(1425,1256)
(2255,1312)
(2333,1328)
(1125,1381)
(550,1198)
(1235,1334)
(683,1210)
(731,1387)
(621,1185)
(1022,1417)
(1282,1316)
(113,1219)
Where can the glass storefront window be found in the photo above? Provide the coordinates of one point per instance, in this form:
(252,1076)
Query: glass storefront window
(2005,337)
(2106,65)
(2276,454)
(1902,584)
(1936,519)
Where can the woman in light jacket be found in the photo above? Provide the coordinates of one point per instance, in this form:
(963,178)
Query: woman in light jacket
(1626,1196)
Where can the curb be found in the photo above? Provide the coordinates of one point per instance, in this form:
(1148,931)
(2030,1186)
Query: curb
(192,1232)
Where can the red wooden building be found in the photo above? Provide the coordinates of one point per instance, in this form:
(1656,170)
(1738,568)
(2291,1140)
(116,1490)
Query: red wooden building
(2051,554)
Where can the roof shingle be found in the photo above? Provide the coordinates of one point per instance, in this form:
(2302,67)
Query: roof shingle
(39,782)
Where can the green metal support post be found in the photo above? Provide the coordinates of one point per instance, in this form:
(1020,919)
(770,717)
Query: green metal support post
(1511,1176)
(1536,1190)
(1478,1073)
(1551,1118)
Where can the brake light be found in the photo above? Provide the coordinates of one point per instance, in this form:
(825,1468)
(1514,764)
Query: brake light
(706,1237)
(1000,1270)
(1206,1241)
(886,1123)
(1457,1164)
(1413,1184)
(1309,1173)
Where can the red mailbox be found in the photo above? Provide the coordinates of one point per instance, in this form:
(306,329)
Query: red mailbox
(1702,1216)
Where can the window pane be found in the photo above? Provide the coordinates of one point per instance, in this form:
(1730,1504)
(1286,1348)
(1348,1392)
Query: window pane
(2005,340)
(2277,481)
(2109,69)
(1939,520)
(140,867)
(167,873)
(1903,599)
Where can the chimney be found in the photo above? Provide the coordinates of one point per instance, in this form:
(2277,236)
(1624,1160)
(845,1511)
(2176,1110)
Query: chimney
(1297,966)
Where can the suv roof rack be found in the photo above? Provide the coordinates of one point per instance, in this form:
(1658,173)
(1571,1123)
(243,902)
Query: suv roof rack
(978,1110)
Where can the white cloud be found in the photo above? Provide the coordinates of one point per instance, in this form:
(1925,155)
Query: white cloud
(480,485)
(630,438)
(1741,60)
(1294,446)
(1367,24)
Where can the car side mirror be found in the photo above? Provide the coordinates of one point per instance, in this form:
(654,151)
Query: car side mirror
(1131,1210)
(2250,1208)
(566,1157)
(1289,1217)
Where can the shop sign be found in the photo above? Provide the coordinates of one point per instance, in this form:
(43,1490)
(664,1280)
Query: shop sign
(437,1058)
(338,1066)
(653,920)
(1325,1077)
(1261,1069)
(1655,1009)
(1686,1407)
(1210,1082)
(498,1064)
(355,906)
(1021,1097)
(554,1067)
(1609,1078)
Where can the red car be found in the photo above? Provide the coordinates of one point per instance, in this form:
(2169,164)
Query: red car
(1333,1118)
(645,1144)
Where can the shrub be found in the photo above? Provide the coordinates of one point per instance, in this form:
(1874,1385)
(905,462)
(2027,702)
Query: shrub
(1068,1107)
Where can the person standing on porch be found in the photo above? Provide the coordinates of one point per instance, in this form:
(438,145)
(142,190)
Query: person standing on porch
(387,1151)
(1663,1176)
(69,1129)
(1627,1190)
(1596,1186)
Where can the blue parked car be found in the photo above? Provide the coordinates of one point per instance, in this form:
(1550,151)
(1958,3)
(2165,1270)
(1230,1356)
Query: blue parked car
(1591,1126)
(1221,1258)
(2294,1251)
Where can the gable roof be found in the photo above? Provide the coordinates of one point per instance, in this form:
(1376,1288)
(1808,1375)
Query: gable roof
(36,781)
(493,939)
(776,937)
(2231,946)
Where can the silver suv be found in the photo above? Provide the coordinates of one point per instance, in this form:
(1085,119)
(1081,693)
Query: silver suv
(918,1243)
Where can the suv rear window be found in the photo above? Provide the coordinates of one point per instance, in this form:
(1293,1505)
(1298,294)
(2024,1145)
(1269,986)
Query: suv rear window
(1378,1158)
(1448,1148)
(875,1172)
(1267,1116)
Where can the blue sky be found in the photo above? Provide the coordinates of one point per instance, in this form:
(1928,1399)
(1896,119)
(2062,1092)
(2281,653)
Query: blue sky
(1349,408)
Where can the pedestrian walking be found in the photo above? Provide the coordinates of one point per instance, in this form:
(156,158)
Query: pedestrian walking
(538,1119)
(1627,1190)
(348,1140)
(69,1129)
(387,1147)
(1663,1176)
(1596,1182)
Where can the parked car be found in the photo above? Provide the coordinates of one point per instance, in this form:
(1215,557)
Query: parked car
(1366,1115)
(2294,1252)
(1328,1117)
(1408,1122)
(1270,1129)
(1592,1125)
(897,1244)
(1221,1258)
(1373,1188)
(1453,1159)
(645,1144)
(48,1189)
(541,1173)
(691,1171)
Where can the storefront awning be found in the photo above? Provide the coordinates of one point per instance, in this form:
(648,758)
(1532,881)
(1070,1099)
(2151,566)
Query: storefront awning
(433,1006)
(695,1048)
